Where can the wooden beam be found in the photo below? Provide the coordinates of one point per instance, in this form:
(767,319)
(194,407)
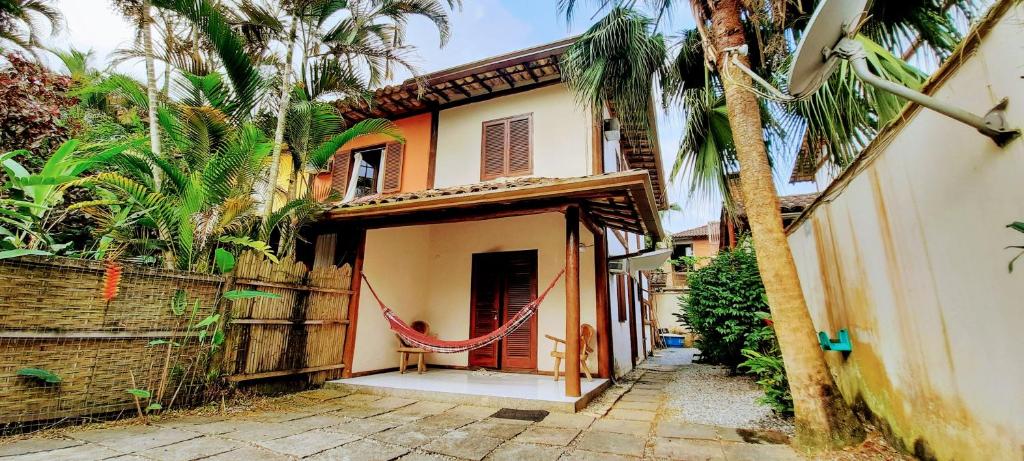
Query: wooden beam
(508,80)
(432,156)
(461,215)
(458,87)
(597,149)
(605,353)
(349,348)
(98,335)
(572,302)
(631,307)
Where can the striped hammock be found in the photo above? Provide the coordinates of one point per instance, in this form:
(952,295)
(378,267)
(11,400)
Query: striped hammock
(432,344)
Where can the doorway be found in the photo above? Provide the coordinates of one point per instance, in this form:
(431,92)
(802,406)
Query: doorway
(502,284)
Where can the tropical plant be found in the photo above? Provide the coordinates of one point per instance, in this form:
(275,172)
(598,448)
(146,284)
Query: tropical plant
(618,59)
(141,12)
(770,371)
(28,209)
(314,132)
(1019,227)
(725,306)
(32,99)
(18,25)
(211,170)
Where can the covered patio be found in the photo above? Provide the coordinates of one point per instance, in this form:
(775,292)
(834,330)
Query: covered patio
(420,251)
(477,387)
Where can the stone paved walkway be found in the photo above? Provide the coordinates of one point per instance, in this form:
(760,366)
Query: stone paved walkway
(330,425)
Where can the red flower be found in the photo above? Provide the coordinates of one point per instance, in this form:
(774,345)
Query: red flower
(111,280)
(769,322)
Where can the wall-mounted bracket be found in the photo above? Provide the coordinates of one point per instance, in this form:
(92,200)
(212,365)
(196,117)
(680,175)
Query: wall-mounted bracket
(993,124)
(843,344)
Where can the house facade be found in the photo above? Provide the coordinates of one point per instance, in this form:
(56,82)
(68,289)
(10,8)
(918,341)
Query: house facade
(503,182)
(671,282)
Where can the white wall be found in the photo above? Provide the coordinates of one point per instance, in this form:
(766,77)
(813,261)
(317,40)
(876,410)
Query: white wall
(396,264)
(424,273)
(562,135)
(909,257)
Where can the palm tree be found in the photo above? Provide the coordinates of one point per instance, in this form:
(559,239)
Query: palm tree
(18,25)
(371,30)
(140,11)
(622,56)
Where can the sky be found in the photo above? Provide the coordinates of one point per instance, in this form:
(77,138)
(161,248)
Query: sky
(483,28)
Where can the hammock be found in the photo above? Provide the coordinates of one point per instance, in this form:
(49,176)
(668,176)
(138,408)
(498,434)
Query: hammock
(432,344)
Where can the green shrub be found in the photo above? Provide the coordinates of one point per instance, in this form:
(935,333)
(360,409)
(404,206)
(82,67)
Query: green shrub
(771,376)
(725,307)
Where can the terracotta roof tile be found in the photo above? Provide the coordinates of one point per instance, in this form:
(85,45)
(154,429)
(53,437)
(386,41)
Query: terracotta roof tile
(700,231)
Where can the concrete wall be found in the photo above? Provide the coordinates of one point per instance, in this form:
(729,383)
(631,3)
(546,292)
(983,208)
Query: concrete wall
(424,273)
(562,135)
(907,252)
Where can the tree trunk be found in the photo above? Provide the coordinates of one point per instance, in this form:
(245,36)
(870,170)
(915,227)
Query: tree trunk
(282,113)
(168,44)
(154,128)
(823,419)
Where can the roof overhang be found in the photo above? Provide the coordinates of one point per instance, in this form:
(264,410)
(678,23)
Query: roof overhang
(479,80)
(623,201)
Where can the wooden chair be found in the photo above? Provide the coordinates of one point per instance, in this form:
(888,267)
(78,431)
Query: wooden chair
(586,333)
(405,350)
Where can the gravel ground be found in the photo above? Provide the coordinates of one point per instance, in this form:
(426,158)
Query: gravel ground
(708,394)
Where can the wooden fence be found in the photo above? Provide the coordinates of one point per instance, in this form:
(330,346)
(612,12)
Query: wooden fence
(302,332)
(54,316)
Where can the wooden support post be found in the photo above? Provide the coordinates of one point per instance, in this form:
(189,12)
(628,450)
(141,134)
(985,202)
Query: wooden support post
(604,312)
(572,302)
(348,351)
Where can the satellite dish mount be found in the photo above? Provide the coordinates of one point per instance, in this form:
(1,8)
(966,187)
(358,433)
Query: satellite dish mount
(993,124)
(830,36)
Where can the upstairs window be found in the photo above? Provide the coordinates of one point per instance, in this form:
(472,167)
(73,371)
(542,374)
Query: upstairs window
(368,169)
(507,147)
(379,170)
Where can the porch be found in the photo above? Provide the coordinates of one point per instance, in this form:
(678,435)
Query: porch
(520,391)
(464,260)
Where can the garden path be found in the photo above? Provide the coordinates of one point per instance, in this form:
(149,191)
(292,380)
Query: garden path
(332,425)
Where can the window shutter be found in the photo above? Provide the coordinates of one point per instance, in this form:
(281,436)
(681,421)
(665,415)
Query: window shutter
(493,158)
(393,157)
(339,171)
(520,349)
(519,145)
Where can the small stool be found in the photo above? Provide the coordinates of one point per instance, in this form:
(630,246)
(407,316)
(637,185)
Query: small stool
(405,350)
(403,359)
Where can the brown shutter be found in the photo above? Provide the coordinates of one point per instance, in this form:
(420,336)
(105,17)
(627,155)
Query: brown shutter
(493,150)
(620,288)
(520,346)
(519,145)
(339,171)
(394,153)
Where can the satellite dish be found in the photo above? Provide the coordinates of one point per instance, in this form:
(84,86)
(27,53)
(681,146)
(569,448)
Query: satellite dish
(814,62)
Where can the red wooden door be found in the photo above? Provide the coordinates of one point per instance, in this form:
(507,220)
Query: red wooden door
(519,349)
(502,284)
(485,308)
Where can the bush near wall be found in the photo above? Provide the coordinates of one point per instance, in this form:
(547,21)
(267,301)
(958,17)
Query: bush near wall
(727,309)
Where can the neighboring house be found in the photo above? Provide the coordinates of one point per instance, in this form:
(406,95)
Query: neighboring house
(670,283)
(735,225)
(502,179)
